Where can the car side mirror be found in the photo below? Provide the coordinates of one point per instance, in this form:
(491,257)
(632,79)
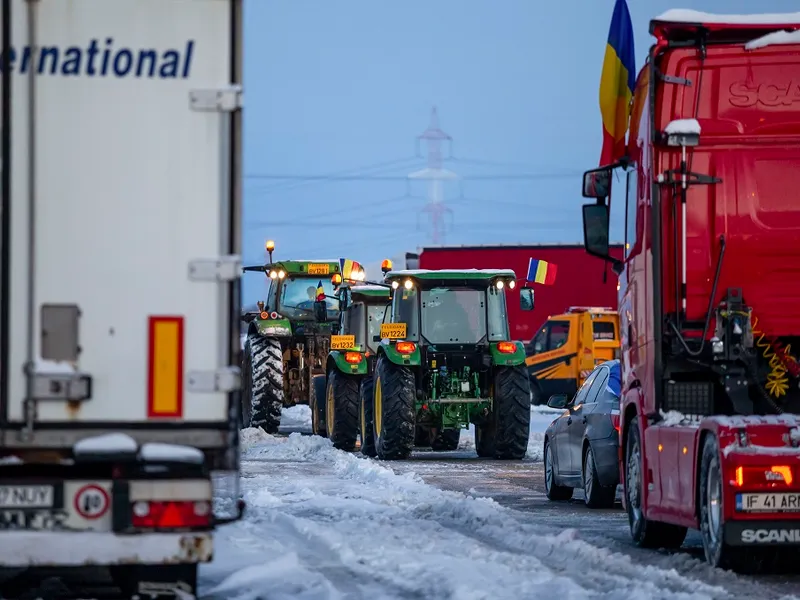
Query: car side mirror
(321,311)
(558,401)
(526,299)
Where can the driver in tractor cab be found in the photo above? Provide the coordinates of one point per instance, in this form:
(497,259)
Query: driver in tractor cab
(312,293)
(449,319)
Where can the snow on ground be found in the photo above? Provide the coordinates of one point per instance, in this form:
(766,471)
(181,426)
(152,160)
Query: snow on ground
(322,523)
(296,417)
(541,417)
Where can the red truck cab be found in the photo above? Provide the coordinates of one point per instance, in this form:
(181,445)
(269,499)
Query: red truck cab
(709,295)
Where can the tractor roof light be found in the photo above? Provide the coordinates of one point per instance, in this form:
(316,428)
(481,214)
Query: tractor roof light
(386,265)
(336,280)
(269,246)
(512,284)
(281,274)
(408,284)
(273,274)
(499,284)
(395,285)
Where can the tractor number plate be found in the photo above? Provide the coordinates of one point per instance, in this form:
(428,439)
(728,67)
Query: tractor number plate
(319,269)
(394,331)
(343,342)
(783,502)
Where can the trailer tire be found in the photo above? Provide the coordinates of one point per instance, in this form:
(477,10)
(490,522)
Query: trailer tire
(264,386)
(553,491)
(446,440)
(595,494)
(504,435)
(341,410)
(717,552)
(316,402)
(366,416)
(645,533)
(394,396)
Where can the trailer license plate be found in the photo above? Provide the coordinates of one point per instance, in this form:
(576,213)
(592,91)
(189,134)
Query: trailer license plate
(26,496)
(783,502)
(318,269)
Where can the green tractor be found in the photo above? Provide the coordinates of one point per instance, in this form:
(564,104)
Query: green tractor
(349,368)
(288,337)
(445,360)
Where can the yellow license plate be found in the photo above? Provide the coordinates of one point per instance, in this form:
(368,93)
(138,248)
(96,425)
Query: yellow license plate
(394,331)
(343,342)
(319,269)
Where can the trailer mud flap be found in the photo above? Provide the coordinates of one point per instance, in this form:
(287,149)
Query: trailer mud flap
(762,533)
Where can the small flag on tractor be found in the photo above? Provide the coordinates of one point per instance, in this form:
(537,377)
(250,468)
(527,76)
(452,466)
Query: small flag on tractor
(542,272)
(320,292)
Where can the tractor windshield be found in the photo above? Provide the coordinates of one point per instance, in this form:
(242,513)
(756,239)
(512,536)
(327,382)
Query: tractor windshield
(454,315)
(297,296)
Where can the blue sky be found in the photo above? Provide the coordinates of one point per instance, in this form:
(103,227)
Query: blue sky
(337,87)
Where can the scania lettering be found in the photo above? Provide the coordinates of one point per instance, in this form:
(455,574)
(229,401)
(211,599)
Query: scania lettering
(766,536)
(119,352)
(708,287)
(91,60)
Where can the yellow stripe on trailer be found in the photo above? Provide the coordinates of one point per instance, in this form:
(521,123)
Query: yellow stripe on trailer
(165,378)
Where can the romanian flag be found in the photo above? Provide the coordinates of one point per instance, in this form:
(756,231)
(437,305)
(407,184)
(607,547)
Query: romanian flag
(637,109)
(540,271)
(617,84)
(346,266)
(320,292)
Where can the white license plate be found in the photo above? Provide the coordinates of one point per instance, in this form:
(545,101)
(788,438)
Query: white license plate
(782,502)
(26,496)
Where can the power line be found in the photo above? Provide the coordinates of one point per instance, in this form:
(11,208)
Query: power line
(497,177)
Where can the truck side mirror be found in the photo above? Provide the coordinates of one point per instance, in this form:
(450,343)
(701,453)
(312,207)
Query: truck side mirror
(597,183)
(596,234)
(526,299)
(321,311)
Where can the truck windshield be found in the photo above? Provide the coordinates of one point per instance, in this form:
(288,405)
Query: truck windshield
(375,315)
(297,296)
(453,315)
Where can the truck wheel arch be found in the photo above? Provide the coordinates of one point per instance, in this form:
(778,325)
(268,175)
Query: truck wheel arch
(701,440)
(630,415)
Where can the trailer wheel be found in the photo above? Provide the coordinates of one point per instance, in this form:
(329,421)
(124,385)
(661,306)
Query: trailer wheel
(446,440)
(554,491)
(596,495)
(316,402)
(264,382)
(341,410)
(393,403)
(366,416)
(645,533)
(504,435)
(717,552)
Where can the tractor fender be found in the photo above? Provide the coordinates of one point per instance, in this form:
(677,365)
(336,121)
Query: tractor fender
(273,327)
(336,362)
(501,359)
(406,360)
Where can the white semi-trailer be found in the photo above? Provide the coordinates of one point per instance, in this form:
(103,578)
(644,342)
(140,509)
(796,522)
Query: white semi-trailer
(119,332)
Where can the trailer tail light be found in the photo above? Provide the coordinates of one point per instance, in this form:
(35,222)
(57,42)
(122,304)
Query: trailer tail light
(405,347)
(763,476)
(507,347)
(171,515)
(353,357)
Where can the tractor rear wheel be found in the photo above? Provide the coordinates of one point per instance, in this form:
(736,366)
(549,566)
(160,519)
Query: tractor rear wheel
(393,403)
(366,416)
(504,435)
(264,382)
(341,410)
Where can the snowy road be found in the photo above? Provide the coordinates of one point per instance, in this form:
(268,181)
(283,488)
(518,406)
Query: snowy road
(329,524)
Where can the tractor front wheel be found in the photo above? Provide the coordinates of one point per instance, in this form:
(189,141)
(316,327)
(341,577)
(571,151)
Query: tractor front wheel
(393,404)
(341,410)
(263,382)
(504,435)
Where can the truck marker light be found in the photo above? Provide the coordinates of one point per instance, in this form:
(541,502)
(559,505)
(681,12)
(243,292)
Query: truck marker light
(165,376)
(778,474)
(660,447)
(405,347)
(506,347)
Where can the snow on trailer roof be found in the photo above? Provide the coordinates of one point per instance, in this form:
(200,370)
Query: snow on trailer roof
(688,16)
(774,38)
(678,126)
(452,273)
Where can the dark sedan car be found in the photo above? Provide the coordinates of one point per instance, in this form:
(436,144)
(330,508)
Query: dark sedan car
(581,446)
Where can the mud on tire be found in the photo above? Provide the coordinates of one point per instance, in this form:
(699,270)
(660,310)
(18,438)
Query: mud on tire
(341,410)
(393,403)
(504,435)
(263,382)
(366,416)
(316,402)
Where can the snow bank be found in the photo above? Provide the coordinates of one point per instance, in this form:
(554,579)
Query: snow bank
(773,39)
(297,417)
(683,15)
(328,524)
(686,126)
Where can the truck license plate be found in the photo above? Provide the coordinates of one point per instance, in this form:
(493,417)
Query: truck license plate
(783,502)
(32,519)
(26,496)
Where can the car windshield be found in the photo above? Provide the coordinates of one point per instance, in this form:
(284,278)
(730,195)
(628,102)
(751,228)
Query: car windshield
(298,295)
(453,315)
(375,314)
